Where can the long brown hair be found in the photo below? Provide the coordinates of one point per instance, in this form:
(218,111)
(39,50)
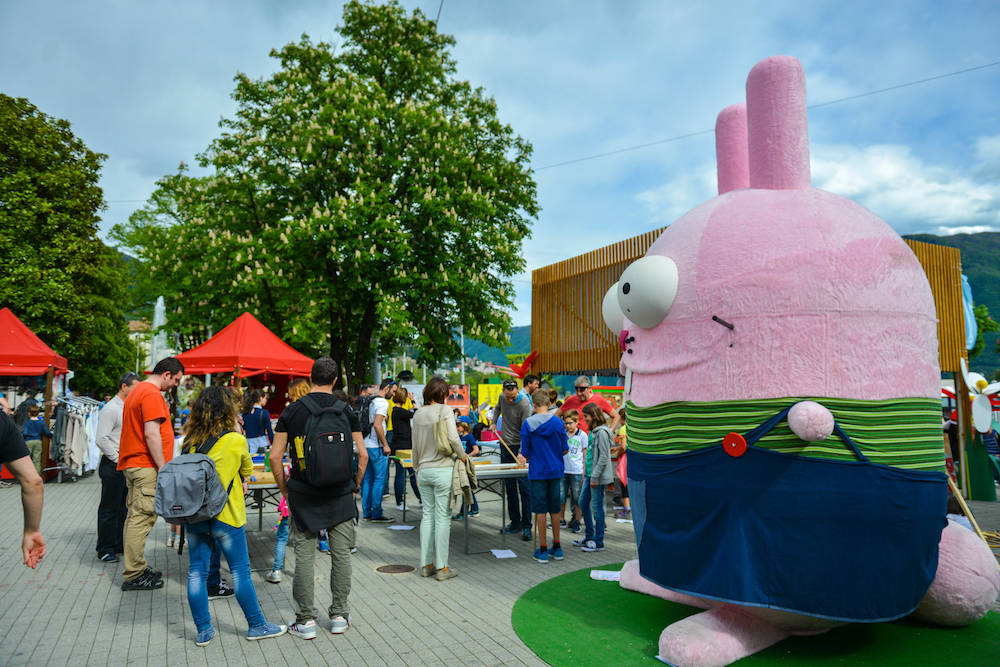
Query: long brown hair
(213,412)
(596,415)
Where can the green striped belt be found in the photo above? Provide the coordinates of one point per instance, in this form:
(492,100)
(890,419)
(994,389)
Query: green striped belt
(903,432)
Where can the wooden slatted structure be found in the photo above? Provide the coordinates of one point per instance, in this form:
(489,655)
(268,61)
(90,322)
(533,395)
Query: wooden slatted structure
(567,328)
(568,331)
(943,266)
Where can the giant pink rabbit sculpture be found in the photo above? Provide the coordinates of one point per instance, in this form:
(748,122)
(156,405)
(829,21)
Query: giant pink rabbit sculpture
(780,353)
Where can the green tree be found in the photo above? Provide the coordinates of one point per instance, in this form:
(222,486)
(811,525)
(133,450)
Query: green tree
(357,201)
(984,324)
(58,276)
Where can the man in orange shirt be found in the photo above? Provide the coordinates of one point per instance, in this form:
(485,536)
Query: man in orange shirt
(147,443)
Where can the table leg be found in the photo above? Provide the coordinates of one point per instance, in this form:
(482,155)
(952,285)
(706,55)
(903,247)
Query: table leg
(503,514)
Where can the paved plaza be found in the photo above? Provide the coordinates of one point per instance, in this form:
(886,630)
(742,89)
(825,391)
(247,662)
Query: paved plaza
(71,610)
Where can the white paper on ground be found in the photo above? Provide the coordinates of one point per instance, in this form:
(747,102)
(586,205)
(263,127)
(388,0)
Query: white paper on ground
(624,520)
(400,526)
(503,553)
(605,575)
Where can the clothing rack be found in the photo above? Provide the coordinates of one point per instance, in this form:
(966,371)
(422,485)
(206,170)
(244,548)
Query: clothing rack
(87,409)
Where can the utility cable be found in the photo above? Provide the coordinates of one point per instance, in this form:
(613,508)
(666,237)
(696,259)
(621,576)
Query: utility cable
(812,106)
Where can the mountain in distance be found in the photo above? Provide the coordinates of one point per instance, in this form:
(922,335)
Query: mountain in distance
(981,264)
(520,343)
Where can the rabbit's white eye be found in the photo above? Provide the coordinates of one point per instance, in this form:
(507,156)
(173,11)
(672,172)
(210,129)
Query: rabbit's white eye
(647,290)
(612,312)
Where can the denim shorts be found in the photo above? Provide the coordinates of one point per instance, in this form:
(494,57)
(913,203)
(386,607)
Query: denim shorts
(545,495)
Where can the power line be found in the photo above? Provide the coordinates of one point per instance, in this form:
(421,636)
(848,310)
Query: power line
(811,106)
(438,17)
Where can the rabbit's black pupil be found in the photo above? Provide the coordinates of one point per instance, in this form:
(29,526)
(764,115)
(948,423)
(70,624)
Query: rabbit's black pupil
(625,288)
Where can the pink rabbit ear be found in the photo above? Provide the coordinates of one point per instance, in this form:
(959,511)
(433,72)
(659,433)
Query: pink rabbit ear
(731,148)
(777,125)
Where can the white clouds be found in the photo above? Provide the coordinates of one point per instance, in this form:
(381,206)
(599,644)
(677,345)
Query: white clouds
(669,201)
(913,196)
(908,193)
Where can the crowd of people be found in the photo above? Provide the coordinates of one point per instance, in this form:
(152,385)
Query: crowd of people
(566,446)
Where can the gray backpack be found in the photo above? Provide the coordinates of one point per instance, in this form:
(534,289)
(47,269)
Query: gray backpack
(188,488)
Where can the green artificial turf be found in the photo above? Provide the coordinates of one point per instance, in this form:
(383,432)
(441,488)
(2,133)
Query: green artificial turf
(575,620)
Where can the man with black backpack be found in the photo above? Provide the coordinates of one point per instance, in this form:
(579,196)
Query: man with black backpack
(321,434)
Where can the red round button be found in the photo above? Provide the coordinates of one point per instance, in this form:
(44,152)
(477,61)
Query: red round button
(734,444)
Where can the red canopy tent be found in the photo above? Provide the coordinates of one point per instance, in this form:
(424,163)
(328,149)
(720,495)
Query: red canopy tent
(22,353)
(245,348)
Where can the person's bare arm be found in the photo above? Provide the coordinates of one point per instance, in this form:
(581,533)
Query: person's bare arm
(359,442)
(379,427)
(154,442)
(32,495)
(276,458)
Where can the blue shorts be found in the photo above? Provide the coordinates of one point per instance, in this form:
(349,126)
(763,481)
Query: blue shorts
(545,495)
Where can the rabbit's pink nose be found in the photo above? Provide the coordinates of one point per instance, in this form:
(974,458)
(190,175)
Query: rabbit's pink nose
(621,338)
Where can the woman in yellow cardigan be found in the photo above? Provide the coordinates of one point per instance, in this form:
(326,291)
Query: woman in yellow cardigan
(213,415)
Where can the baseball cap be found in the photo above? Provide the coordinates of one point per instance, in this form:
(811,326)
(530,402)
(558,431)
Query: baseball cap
(385,383)
(509,384)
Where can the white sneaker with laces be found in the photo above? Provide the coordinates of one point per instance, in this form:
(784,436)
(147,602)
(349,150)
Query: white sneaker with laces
(305,630)
(274,576)
(339,625)
(399,506)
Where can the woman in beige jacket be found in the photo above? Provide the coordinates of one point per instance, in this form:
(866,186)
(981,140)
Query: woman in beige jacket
(434,478)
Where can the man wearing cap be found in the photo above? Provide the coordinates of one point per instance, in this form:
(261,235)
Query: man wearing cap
(378,450)
(584,394)
(111,511)
(514,409)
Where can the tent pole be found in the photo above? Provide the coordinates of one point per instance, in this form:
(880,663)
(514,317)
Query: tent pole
(46,441)
(964,424)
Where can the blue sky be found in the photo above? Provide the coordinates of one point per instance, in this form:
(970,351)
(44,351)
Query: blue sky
(146,83)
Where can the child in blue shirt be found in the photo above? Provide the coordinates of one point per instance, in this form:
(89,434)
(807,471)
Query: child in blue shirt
(472,449)
(543,445)
(32,431)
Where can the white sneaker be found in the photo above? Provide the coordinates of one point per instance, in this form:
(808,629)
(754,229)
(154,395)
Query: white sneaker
(354,550)
(339,625)
(170,540)
(305,630)
(399,506)
(274,576)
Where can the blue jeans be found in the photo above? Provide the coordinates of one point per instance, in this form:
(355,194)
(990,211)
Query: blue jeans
(475,505)
(385,488)
(233,543)
(373,483)
(399,484)
(592,507)
(281,544)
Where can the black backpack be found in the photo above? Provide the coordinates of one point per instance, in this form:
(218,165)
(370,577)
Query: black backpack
(328,448)
(365,410)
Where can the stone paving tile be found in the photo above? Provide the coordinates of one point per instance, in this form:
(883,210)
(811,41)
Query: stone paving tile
(71,610)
